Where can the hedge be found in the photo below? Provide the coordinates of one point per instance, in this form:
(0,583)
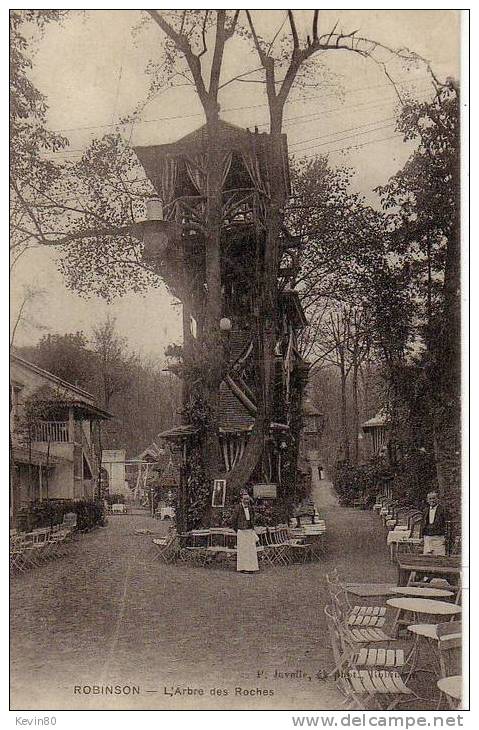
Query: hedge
(90,513)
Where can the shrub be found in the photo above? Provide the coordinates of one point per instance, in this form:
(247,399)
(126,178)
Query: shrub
(90,513)
(115,498)
(358,483)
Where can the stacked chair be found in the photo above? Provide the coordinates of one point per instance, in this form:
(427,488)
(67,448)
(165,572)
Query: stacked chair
(31,549)
(368,675)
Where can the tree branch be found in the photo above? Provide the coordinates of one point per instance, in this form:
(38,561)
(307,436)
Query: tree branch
(294,31)
(183,45)
(315,25)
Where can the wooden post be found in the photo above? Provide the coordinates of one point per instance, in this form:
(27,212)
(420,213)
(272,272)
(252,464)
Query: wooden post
(71,426)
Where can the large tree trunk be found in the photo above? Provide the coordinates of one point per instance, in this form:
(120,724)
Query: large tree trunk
(267,287)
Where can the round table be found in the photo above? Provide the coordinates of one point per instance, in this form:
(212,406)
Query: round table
(451,686)
(417,592)
(426,606)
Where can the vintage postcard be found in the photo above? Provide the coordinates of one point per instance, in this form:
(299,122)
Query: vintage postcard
(235,360)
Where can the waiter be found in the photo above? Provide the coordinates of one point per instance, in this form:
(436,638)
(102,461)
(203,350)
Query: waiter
(434,526)
(243,523)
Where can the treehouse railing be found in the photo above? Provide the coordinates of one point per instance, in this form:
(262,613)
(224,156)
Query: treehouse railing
(241,206)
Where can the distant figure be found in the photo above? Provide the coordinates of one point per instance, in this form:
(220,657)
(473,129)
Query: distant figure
(434,526)
(242,522)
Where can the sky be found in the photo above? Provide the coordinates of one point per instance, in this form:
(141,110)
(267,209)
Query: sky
(348,110)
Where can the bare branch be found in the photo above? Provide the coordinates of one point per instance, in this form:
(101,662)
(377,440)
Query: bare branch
(230,31)
(182,43)
(262,55)
(240,78)
(203,34)
(294,31)
(277,34)
(315,25)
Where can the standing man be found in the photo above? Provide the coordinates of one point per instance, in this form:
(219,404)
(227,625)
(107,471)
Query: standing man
(434,526)
(246,538)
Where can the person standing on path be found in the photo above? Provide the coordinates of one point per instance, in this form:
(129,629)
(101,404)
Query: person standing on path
(243,523)
(435,521)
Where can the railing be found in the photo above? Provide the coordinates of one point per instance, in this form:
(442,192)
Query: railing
(53,431)
(240,206)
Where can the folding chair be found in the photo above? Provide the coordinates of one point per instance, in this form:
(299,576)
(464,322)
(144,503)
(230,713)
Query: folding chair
(361,634)
(165,549)
(347,656)
(450,652)
(57,543)
(370,616)
(376,689)
(35,547)
(17,553)
(297,547)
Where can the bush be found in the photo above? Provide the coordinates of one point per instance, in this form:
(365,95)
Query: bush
(361,483)
(115,499)
(90,513)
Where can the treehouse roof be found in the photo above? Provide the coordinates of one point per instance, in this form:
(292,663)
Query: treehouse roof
(230,139)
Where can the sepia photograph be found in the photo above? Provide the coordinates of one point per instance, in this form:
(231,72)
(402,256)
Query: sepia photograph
(236,456)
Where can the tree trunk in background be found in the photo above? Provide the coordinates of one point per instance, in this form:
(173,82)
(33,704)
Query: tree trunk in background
(344,411)
(355,414)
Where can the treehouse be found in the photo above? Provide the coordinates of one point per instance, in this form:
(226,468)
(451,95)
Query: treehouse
(175,244)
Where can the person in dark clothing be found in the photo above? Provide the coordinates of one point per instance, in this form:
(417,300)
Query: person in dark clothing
(434,527)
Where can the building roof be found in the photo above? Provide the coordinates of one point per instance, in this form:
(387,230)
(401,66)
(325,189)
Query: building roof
(80,408)
(59,393)
(380,419)
(49,376)
(233,414)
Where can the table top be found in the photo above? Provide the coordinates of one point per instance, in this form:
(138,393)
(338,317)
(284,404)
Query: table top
(425,605)
(368,590)
(425,592)
(431,563)
(452,686)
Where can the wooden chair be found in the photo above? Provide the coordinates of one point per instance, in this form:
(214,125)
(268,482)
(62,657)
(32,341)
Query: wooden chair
(35,546)
(370,616)
(166,550)
(347,655)
(17,553)
(449,644)
(375,690)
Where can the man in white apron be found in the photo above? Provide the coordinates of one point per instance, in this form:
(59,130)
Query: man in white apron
(434,526)
(246,538)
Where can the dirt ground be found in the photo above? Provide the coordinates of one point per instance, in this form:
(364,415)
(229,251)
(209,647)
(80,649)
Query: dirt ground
(189,638)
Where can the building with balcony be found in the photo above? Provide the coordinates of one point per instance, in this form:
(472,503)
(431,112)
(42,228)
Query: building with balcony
(53,425)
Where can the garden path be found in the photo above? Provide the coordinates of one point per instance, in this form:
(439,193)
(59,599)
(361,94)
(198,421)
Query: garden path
(107,615)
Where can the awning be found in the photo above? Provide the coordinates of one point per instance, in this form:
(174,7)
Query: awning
(80,408)
(178,432)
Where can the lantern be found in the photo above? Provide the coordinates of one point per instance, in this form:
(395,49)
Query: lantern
(225,324)
(154,208)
